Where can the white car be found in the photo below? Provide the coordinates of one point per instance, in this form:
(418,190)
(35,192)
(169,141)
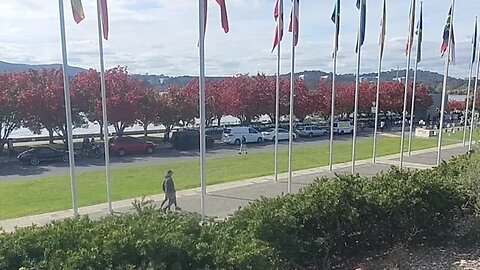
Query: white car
(311,131)
(342,127)
(269,134)
(233,135)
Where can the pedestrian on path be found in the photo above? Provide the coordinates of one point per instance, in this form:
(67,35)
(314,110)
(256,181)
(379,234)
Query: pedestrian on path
(243,145)
(382,125)
(170,193)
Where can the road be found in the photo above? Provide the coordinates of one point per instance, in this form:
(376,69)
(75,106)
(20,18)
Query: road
(15,171)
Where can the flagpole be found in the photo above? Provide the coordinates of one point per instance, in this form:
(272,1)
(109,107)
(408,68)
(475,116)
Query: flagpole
(444,91)
(357,86)
(277,87)
(334,77)
(68,110)
(468,90)
(292,95)
(104,109)
(202,105)
(405,93)
(474,101)
(377,105)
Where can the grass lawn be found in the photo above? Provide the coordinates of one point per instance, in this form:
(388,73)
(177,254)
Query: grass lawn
(49,194)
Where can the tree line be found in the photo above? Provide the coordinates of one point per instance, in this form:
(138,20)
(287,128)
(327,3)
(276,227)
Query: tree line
(35,100)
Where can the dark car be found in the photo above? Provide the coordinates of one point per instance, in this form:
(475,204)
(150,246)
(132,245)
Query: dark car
(42,153)
(189,140)
(130,145)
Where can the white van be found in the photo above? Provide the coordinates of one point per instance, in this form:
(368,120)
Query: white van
(342,127)
(233,135)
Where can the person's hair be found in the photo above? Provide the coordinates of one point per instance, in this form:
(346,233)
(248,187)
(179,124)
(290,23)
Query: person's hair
(169,172)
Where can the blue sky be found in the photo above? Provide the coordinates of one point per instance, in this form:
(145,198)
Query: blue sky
(160,36)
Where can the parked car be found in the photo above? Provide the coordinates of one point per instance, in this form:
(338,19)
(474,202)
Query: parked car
(130,145)
(311,131)
(42,153)
(189,140)
(342,127)
(233,135)
(269,134)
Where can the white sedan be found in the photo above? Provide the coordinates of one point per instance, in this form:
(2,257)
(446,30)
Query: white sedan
(269,134)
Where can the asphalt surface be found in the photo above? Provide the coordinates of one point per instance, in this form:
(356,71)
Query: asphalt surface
(15,171)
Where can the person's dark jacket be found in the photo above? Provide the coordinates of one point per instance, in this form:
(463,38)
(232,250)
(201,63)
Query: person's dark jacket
(168,185)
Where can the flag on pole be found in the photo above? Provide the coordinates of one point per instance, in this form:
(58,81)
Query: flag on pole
(336,20)
(77,8)
(278,16)
(383,28)
(362,6)
(419,33)
(104,15)
(411,27)
(446,38)
(295,15)
(224,15)
(474,41)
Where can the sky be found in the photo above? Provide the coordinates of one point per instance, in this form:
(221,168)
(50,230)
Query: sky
(160,36)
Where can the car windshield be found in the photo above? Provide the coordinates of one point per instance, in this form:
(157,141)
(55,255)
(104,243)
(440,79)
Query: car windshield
(227,131)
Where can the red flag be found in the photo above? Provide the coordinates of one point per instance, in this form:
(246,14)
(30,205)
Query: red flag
(295,13)
(104,15)
(278,16)
(224,16)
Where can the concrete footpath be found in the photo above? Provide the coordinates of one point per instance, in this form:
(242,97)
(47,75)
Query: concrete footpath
(224,199)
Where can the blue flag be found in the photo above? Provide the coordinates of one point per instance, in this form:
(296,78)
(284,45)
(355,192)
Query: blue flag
(474,41)
(420,35)
(336,20)
(362,6)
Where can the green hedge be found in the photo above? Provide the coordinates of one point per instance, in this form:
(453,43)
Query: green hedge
(331,218)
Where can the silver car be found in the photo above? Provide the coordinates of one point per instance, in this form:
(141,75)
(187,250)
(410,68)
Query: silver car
(311,131)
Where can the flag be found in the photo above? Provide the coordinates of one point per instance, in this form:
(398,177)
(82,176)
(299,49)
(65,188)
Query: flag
(104,16)
(474,41)
(362,6)
(77,8)
(411,27)
(446,37)
(278,16)
(383,28)
(336,20)
(295,14)
(419,33)
(224,15)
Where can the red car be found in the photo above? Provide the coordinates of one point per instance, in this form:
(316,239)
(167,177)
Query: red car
(130,145)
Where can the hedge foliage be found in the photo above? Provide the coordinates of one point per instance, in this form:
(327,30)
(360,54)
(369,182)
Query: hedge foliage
(331,218)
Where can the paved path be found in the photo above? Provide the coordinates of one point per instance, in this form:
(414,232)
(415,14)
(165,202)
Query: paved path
(224,199)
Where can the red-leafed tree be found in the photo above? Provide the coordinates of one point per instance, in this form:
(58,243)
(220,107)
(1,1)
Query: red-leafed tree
(43,103)
(86,95)
(455,106)
(147,109)
(9,105)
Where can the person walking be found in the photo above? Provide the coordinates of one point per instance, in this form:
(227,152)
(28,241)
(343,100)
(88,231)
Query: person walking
(170,193)
(243,145)
(382,125)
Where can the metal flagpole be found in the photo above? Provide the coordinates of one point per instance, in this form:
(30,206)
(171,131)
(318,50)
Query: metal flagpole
(277,87)
(377,98)
(68,109)
(361,5)
(202,104)
(104,109)
(334,77)
(469,87)
(444,91)
(474,101)
(292,95)
(417,60)
(405,93)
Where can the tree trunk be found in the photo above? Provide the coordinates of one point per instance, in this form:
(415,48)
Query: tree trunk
(50,135)
(145,129)
(166,134)
(218,123)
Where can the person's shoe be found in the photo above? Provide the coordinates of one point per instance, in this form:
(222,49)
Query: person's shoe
(178,209)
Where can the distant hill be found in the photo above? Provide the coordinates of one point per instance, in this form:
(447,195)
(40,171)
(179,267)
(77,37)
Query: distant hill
(433,80)
(12,67)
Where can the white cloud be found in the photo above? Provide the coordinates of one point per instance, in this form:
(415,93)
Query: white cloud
(160,36)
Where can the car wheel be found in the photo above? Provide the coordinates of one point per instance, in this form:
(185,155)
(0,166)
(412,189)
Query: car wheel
(341,132)
(150,150)
(34,161)
(259,140)
(237,141)
(122,152)
(65,158)
(325,133)
(310,135)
